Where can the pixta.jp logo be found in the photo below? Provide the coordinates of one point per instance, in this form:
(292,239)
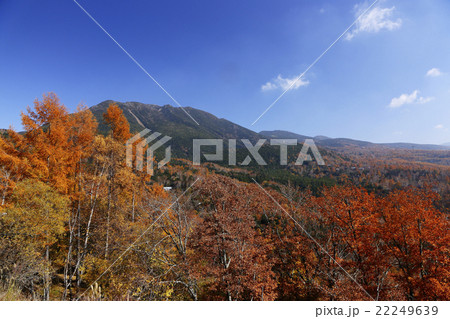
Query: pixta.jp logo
(144,143)
(253,150)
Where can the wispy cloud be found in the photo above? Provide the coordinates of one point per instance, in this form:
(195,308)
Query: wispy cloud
(374,21)
(284,83)
(434,72)
(412,98)
(439,127)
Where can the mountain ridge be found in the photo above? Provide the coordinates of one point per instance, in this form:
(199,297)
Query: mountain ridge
(348,142)
(174,122)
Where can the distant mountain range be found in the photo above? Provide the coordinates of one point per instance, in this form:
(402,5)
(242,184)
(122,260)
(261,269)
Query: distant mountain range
(346,142)
(174,122)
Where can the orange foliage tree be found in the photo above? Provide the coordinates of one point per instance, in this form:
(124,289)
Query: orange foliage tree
(120,127)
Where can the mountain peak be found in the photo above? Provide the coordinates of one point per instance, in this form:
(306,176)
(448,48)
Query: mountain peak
(174,122)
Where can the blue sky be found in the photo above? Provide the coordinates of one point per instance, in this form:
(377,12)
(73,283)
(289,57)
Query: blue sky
(387,80)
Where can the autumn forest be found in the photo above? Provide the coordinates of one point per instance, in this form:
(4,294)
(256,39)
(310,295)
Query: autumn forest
(77,223)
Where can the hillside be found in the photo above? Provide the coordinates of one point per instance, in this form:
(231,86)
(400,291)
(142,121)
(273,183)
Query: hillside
(65,178)
(173,121)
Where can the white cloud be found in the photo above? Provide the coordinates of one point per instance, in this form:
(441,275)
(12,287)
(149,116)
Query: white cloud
(423,100)
(434,72)
(284,83)
(268,86)
(439,127)
(375,20)
(412,98)
(404,99)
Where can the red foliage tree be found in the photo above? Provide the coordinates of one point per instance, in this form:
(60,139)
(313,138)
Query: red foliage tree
(231,257)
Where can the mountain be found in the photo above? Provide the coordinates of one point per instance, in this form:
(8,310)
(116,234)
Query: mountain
(321,137)
(344,142)
(174,122)
(324,141)
(337,143)
(284,135)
